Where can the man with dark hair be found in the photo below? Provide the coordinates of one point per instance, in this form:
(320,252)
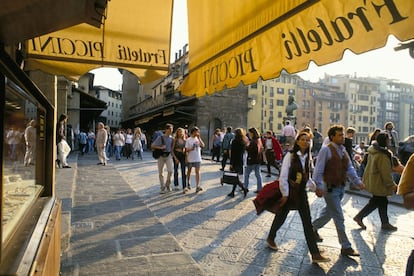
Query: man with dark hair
(193,146)
(227,139)
(273,151)
(332,168)
(164,142)
(393,135)
(349,141)
(317,141)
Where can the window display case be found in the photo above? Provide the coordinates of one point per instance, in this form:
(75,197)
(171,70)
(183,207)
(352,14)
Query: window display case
(21,136)
(29,211)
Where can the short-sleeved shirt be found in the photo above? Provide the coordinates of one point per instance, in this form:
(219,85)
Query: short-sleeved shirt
(194,155)
(164,140)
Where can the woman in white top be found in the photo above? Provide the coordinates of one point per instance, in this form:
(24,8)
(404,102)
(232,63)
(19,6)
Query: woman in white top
(128,143)
(119,142)
(137,145)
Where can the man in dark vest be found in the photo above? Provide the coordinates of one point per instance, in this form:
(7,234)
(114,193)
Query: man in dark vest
(332,168)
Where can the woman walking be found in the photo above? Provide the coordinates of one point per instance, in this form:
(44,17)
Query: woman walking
(129,136)
(378,181)
(137,144)
(63,148)
(237,149)
(293,178)
(254,150)
(178,154)
(119,142)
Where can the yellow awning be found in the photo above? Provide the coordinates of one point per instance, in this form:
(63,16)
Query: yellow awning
(136,36)
(233,41)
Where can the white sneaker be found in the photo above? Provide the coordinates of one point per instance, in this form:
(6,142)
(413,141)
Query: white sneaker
(185,190)
(176,188)
(162,190)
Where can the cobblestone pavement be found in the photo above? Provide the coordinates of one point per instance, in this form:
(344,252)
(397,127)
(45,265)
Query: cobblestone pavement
(226,237)
(209,233)
(108,230)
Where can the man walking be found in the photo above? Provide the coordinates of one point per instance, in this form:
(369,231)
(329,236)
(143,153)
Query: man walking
(227,139)
(393,135)
(164,142)
(193,146)
(332,168)
(289,132)
(101,139)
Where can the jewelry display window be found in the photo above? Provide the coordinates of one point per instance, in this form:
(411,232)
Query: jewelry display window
(23,136)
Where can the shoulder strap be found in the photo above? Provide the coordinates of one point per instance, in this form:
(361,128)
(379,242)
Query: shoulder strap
(175,141)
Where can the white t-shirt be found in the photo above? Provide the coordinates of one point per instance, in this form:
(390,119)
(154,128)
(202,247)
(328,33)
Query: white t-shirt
(194,155)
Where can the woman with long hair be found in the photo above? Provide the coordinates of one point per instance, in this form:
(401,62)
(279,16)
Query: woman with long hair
(137,144)
(373,136)
(63,148)
(254,150)
(178,154)
(293,178)
(237,149)
(129,136)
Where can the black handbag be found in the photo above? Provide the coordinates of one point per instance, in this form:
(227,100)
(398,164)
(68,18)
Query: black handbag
(157,153)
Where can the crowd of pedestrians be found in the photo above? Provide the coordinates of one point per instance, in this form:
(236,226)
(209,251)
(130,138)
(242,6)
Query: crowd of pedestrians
(336,162)
(122,143)
(300,157)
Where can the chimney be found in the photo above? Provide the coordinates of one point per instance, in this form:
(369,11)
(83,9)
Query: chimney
(185,49)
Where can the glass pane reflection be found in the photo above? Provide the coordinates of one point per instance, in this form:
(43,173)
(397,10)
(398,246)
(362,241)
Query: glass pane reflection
(19,157)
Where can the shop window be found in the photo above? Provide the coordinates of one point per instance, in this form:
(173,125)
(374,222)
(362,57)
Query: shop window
(23,154)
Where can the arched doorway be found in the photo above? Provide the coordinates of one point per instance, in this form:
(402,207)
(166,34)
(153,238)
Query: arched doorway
(213,125)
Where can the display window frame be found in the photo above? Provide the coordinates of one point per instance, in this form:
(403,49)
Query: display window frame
(22,185)
(20,241)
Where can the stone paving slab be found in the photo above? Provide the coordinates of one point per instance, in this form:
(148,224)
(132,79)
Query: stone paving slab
(226,237)
(111,230)
(127,228)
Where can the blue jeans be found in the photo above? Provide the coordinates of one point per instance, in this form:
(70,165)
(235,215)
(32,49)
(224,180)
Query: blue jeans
(91,144)
(108,150)
(333,210)
(118,152)
(249,169)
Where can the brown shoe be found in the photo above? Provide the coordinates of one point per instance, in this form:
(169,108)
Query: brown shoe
(360,223)
(318,258)
(271,244)
(349,252)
